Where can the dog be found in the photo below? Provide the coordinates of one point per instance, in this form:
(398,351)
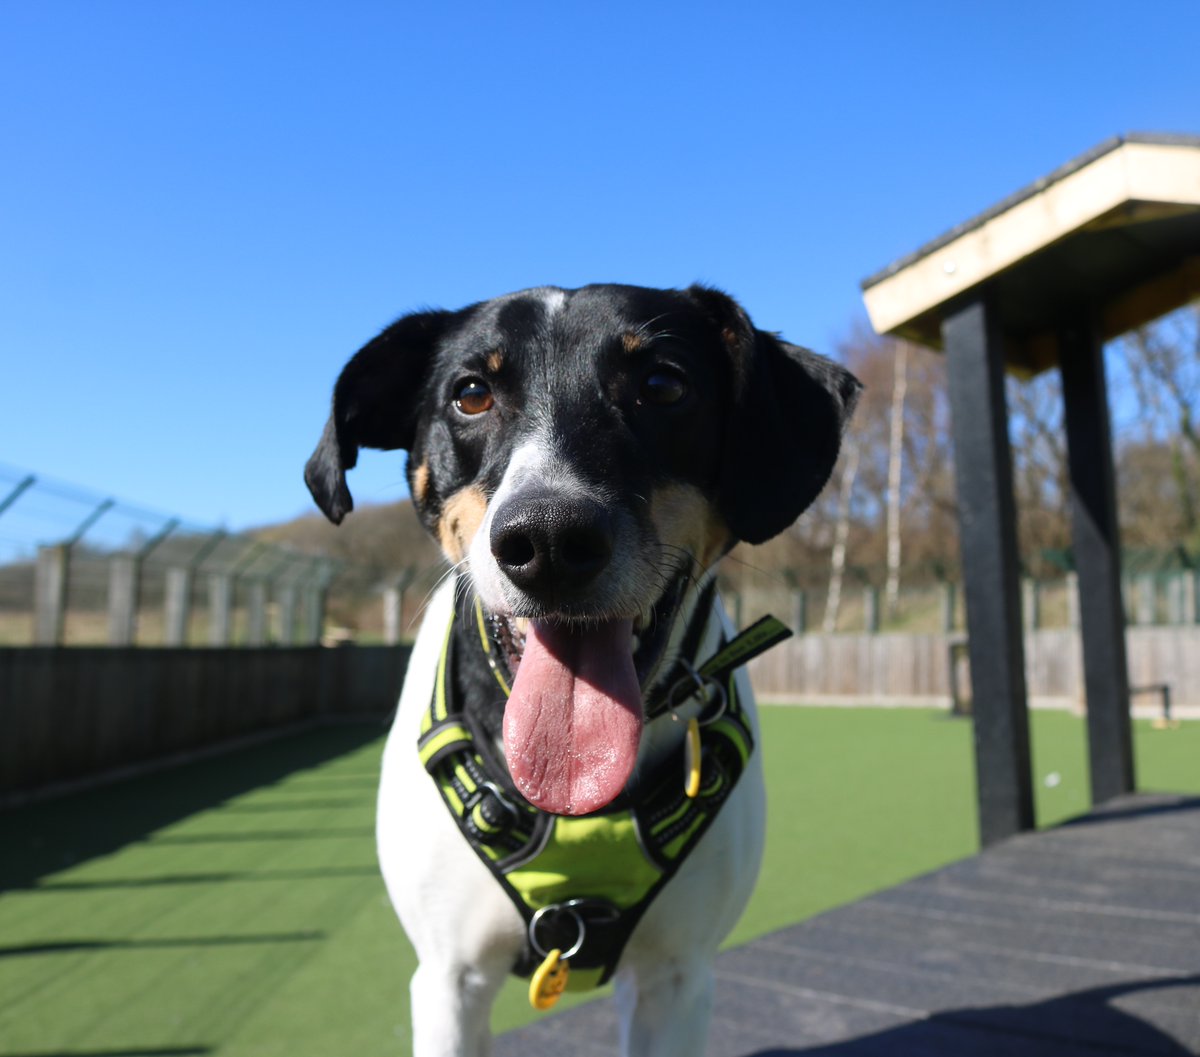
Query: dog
(570,787)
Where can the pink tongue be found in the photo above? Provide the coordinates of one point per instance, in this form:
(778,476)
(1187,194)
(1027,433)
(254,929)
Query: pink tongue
(574,718)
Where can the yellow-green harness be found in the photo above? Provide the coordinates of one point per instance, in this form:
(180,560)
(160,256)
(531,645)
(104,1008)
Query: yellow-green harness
(582,883)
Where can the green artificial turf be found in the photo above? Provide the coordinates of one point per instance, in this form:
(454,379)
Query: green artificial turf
(233,906)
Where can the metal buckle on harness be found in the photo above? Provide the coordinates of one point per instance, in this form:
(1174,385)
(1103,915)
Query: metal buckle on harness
(599,911)
(506,805)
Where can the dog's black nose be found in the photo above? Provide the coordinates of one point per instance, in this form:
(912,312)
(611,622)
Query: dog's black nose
(550,546)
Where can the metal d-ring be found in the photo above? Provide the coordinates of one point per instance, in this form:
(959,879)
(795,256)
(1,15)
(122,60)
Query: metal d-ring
(709,690)
(565,908)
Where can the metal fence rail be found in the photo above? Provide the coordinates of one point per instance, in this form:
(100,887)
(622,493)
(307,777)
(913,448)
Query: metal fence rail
(79,568)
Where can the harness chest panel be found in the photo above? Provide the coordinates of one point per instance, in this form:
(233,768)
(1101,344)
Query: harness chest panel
(584,882)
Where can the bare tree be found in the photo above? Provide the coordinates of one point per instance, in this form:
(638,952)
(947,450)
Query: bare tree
(833,600)
(1039,456)
(1163,362)
(895,467)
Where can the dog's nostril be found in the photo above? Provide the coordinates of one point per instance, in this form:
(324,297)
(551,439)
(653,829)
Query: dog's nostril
(586,547)
(515,550)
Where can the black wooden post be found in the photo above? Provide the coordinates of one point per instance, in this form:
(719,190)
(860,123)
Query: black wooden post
(991,573)
(1097,560)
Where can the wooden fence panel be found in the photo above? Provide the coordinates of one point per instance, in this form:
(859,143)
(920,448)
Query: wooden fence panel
(915,667)
(70,712)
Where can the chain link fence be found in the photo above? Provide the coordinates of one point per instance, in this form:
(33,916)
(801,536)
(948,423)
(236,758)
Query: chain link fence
(79,568)
(1153,598)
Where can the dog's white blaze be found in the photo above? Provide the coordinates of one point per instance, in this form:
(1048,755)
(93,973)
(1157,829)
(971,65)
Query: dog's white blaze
(534,459)
(631,582)
(553,300)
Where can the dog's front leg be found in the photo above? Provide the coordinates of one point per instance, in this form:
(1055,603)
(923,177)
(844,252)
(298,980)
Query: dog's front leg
(665,1012)
(451,1010)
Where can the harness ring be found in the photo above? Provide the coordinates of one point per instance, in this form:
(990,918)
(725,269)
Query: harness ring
(704,687)
(565,908)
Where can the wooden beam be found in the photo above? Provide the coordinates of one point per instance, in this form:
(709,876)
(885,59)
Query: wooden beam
(987,527)
(1097,560)
(1145,303)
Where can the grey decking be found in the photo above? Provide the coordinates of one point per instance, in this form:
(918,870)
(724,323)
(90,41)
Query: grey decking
(1083,940)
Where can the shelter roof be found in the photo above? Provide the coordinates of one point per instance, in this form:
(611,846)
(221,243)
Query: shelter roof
(1115,232)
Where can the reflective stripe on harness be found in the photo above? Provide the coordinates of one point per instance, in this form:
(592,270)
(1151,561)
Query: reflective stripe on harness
(584,882)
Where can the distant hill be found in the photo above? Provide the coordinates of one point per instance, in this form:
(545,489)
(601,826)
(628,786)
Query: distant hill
(386,538)
(378,545)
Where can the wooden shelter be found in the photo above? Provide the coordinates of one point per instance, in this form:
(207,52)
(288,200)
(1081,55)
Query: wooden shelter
(1106,243)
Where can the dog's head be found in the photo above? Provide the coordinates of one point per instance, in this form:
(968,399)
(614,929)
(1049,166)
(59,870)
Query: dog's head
(587,456)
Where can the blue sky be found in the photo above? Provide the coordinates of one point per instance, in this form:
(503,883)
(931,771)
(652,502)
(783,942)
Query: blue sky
(206,207)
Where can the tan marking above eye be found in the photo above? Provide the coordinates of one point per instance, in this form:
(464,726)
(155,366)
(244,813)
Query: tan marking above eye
(495,361)
(684,517)
(631,341)
(462,514)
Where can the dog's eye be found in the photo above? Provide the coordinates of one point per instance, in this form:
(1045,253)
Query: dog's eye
(663,386)
(473,397)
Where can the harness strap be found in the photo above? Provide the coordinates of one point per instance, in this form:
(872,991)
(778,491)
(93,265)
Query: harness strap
(629,851)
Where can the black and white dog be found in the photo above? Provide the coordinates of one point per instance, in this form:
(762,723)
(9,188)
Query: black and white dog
(584,458)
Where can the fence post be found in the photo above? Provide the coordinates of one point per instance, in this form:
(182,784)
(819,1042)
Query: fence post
(1031,592)
(256,613)
(392,597)
(1072,600)
(285,597)
(949,606)
(313,598)
(1147,600)
(50,594)
(1174,593)
(871,610)
(123,578)
(177,604)
(220,604)
(800,612)
(314,612)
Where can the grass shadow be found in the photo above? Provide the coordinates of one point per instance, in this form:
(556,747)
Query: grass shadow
(161,1051)
(42,838)
(159,943)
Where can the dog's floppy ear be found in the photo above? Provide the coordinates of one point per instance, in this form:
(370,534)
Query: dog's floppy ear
(789,410)
(375,405)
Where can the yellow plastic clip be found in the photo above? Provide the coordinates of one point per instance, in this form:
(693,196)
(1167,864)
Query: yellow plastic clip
(549,981)
(691,759)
